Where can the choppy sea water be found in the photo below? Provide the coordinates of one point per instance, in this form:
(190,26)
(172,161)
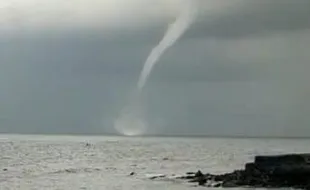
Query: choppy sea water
(65,162)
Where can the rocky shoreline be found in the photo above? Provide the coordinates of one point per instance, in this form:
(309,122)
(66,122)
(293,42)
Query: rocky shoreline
(278,171)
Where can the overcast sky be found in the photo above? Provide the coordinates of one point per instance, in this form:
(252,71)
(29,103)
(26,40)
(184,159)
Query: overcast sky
(70,66)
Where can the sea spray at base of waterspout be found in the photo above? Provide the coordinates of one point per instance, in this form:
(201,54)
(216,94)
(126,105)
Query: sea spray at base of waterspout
(131,121)
(129,124)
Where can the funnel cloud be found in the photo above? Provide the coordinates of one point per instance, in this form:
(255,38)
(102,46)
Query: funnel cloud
(129,123)
(173,33)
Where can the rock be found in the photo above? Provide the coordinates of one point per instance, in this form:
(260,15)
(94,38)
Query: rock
(132,173)
(87,144)
(199,174)
(156,176)
(5,169)
(279,171)
(202,181)
(187,177)
(217,185)
(251,167)
(190,173)
(198,177)
(292,170)
(283,159)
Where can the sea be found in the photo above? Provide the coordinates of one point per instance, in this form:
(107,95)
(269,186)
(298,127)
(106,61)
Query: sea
(106,162)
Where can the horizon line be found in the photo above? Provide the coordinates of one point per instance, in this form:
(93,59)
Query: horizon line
(158,135)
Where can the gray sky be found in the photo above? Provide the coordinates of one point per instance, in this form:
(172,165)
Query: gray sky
(241,69)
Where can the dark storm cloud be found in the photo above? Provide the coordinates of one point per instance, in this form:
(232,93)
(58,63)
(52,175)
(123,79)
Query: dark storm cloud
(255,17)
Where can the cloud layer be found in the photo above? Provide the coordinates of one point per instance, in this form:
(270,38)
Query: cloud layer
(225,18)
(69,67)
(253,17)
(105,14)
